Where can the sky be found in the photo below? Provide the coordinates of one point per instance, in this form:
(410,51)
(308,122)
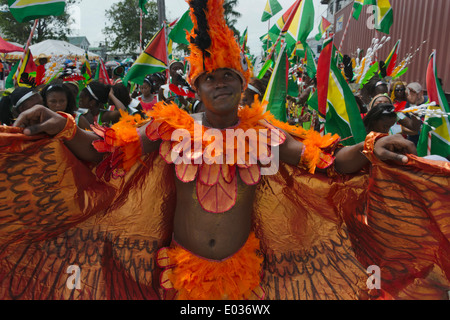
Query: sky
(90,18)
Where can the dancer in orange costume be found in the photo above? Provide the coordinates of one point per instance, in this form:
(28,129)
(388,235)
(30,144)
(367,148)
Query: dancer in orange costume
(303,234)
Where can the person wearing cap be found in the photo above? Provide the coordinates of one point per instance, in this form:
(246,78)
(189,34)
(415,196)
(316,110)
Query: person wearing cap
(117,74)
(225,235)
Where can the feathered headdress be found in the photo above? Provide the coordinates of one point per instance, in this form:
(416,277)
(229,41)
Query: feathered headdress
(212,43)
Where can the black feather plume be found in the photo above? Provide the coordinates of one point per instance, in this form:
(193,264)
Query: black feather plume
(202,38)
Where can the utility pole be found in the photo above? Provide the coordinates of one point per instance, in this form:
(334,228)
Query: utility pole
(161,12)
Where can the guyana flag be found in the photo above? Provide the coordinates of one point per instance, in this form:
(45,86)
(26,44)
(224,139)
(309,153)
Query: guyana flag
(391,60)
(25,10)
(284,20)
(334,100)
(277,88)
(435,142)
(323,27)
(153,59)
(384,16)
(244,40)
(301,25)
(357,7)
(271,9)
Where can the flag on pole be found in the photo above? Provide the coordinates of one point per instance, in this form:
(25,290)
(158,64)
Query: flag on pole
(334,100)
(298,51)
(87,71)
(153,59)
(286,18)
(178,32)
(102,74)
(323,76)
(357,7)
(310,61)
(391,60)
(142,5)
(435,141)
(301,25)
(323,27)
(276,91)
(26,10)
(266,67)
(26,76)
(244,39)
(384,16)
(272,8)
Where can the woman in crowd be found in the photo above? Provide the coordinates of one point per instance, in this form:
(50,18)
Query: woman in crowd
(59,97)
(380,118)
(402,119)
(255,88)
(95,98)
(398,95)
(149,90)
(18,101)
(120,99)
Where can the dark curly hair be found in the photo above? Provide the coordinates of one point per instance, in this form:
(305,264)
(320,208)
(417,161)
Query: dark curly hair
(60,87)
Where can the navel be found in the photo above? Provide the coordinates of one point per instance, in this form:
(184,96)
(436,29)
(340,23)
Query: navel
(212,243)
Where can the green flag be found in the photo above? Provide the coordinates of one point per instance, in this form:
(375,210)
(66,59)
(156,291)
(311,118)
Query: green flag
(301,25)
(382,10)
(341,112)
(178,33)
(142,4)
(278,86)
(10,80)
(435,135)
(271,9)
(26,10)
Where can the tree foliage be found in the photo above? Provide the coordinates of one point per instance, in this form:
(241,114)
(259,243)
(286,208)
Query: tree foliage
(123,28)
(231,15)
(47,28)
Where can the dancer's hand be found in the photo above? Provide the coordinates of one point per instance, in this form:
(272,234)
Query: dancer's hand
(40,119)
(395,148)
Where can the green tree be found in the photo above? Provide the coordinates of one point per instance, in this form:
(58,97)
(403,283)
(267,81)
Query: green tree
(231,15)
(123,29)
(47,28)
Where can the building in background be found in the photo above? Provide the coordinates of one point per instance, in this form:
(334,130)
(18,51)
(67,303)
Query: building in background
(415,21)
(81,42)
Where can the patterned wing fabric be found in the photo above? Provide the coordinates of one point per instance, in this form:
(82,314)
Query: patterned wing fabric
(56,217)
(306,243)
(408,228)
(396,218)
(318,234)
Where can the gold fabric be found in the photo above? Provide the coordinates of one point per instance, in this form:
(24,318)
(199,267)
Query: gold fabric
(318,234)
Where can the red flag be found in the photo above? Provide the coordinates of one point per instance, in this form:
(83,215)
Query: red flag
(26,74)
(323,75)
(102,73)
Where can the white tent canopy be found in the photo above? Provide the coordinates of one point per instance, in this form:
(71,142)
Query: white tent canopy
(55,48)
